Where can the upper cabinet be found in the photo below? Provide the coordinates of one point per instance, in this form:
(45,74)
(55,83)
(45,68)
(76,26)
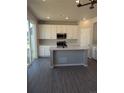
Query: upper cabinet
(61,29)
(72,32)
(47,32)
(50,31)
(44,32)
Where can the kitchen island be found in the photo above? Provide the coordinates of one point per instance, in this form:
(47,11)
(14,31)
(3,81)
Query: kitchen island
(70,56)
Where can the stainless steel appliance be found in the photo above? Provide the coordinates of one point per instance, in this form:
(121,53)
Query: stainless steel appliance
(62,44)
(61,35)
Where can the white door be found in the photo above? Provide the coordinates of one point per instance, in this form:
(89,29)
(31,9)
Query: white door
(85,37)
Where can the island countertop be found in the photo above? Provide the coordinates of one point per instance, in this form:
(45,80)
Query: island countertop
(68,48)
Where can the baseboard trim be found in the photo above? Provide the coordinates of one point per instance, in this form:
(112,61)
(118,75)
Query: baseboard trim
(65,65)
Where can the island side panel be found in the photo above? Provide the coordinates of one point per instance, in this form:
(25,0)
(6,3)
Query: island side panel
(69,57)
(52,58)
(85,58)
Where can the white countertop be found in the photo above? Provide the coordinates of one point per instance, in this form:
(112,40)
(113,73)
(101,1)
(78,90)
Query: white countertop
(69,48)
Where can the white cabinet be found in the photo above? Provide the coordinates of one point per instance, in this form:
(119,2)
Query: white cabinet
(50,31)
(75,32)
(47,32)
(44,51)
(69,32)
(53,31)
(72,32)
(47,51)
(60,29)
(44,32)
(41,51)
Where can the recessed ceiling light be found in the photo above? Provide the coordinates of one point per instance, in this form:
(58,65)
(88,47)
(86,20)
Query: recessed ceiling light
(43,0)
(66,18)
(77,1)
(48,17)
(84,18)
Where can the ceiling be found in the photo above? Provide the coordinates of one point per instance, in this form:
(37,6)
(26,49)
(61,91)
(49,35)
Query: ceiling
(57,10)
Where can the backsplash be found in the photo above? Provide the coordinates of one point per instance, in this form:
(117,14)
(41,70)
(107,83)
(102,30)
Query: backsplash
(53,42)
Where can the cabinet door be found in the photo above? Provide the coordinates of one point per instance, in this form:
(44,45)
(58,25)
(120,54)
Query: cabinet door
(74,32)
(48,32)
(53,31)
(46,51)
(69,32)
(41,51)
(45,31)
(42,31)
(63,28)
(60,29)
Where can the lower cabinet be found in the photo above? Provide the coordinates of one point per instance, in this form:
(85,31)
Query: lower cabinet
(41,51)
(44,51)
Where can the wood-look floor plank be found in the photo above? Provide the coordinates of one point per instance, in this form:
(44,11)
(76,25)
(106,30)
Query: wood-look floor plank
(78,79)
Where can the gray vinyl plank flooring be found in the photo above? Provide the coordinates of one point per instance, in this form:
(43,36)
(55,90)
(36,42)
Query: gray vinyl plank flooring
(75,79)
